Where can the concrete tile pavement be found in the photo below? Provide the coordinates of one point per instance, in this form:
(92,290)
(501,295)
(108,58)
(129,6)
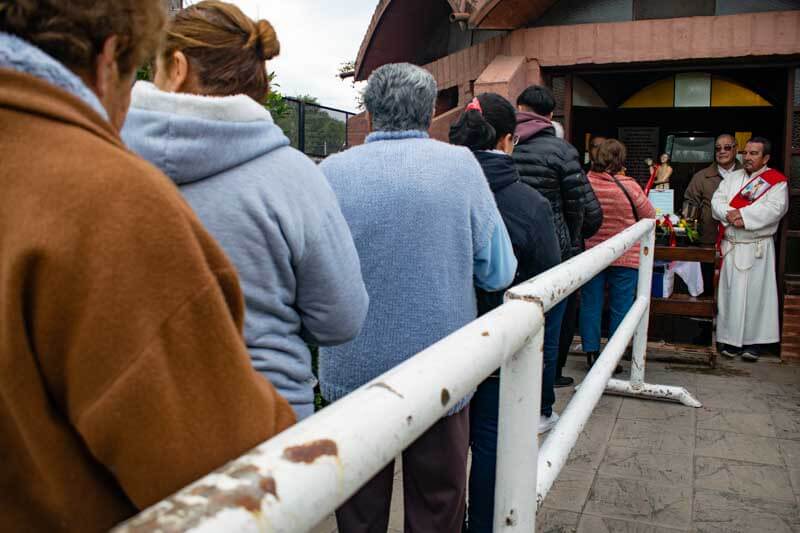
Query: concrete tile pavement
(655,467)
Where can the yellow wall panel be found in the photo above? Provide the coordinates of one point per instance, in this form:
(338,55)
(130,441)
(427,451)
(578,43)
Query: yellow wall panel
(659,94)
(726,93)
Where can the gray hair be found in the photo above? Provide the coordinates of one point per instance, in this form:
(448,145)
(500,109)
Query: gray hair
(399,97)
(726,134)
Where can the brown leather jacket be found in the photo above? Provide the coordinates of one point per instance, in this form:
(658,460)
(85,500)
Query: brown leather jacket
(699,192)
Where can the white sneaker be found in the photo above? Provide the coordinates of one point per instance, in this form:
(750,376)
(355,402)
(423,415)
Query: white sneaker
(546,423)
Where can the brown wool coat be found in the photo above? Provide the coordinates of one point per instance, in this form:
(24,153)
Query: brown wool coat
(123,376)
(700,191)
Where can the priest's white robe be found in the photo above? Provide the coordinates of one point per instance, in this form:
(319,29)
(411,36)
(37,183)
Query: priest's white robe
(747,297)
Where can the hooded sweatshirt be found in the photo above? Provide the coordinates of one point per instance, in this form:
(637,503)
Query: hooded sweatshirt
(529,124)
(273,212)
(528,218)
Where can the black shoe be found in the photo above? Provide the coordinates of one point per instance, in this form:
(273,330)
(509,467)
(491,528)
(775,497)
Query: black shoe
(751,353)
(563,381)
(730,351)
(591,357)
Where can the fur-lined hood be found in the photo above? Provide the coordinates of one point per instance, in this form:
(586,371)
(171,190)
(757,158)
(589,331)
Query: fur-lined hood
(193,137)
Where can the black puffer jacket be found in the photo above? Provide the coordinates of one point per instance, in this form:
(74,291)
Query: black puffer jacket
(552,166)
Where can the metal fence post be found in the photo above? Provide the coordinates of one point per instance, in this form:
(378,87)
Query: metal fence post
(517,445)
(647,251)
(346,131)
(301,126)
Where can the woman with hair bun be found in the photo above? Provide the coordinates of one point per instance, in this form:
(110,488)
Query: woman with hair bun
(487,128)
(271,209)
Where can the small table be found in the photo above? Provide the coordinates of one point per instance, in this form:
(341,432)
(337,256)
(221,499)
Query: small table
(684,304)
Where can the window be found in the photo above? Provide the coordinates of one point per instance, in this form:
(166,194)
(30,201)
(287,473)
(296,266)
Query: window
(659,9)
(695,89)
(584,95)
(692,90)
(692,149)
(446,100)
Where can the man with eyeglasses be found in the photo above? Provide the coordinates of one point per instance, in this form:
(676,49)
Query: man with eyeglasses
(749,205)
(705,183)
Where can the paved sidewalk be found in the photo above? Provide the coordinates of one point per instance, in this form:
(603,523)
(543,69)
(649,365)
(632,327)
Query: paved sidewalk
(655,467)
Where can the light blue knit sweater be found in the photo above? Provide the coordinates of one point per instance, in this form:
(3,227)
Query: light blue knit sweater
(426,229)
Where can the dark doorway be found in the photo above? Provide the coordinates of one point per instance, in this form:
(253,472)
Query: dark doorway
(638,125)
(647,130)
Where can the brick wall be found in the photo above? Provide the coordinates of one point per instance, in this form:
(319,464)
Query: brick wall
(641,144)
(743,35)
(790,343)
(466,65)
(357,129)
(751,34)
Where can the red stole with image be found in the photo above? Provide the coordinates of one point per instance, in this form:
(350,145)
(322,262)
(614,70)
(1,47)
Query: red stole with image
(752,191)
(756,188)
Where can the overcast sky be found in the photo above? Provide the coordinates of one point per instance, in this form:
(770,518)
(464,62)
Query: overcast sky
(316,36)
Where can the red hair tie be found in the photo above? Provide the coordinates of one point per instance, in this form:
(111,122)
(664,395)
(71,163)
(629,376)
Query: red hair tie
(476,105)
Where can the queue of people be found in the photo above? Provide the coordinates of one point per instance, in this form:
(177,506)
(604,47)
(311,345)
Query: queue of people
(163,269)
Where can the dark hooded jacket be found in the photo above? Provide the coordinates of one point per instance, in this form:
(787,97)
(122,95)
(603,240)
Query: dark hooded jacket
(528,219)
(552,166)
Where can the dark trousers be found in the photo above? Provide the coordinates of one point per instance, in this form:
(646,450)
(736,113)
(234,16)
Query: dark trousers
(552,334)
(434,485)
(484,409)
(568,326)
(483,440)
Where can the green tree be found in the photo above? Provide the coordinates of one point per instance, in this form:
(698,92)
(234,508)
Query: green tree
(346,68)
(274,101)
(326,130)
(145,72)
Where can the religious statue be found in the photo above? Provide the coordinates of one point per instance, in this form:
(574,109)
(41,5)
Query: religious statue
(659,174)
(662,174)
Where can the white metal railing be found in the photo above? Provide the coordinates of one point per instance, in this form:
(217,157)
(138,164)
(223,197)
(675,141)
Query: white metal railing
(295,480)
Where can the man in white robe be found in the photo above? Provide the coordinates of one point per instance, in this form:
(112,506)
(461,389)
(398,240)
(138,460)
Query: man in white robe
(749,204)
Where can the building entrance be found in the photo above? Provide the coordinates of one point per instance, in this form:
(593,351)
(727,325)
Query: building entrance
(679,112)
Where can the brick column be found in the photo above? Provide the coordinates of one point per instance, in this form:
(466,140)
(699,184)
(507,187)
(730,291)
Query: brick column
(534,73)
(357,129)
(505,75)
(464,93)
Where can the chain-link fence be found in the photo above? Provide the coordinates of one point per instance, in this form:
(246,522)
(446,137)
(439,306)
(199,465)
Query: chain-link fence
(314,129)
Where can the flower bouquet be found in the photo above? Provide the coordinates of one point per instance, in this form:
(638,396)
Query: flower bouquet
(672,230)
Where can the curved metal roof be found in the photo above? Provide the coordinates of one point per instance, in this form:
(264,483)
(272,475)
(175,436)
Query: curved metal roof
(399,29)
